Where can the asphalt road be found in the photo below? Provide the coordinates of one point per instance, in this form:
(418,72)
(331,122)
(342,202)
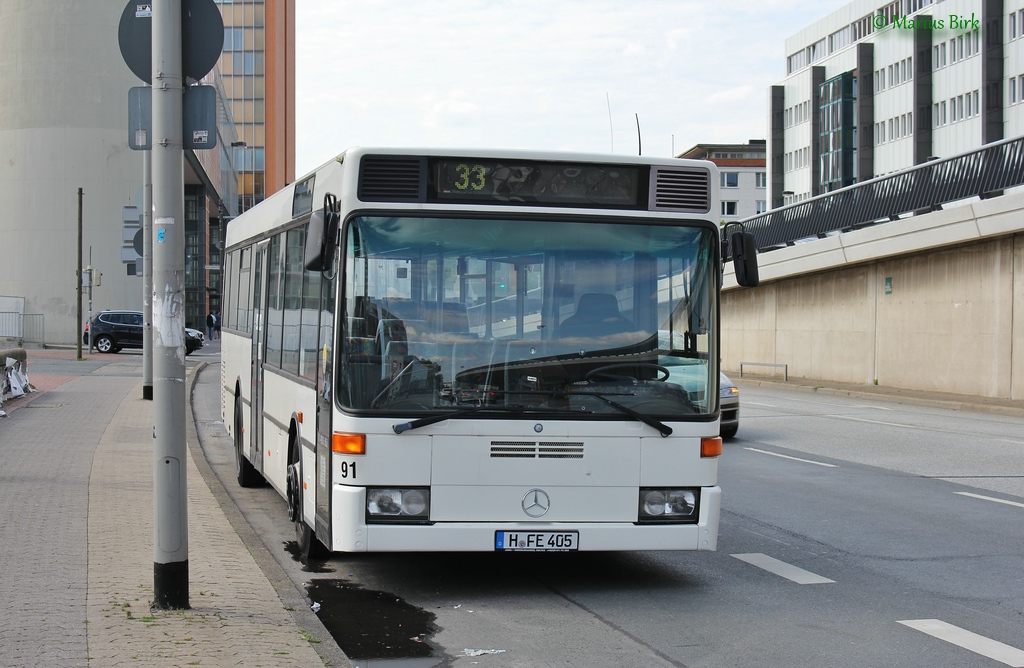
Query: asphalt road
(854,533)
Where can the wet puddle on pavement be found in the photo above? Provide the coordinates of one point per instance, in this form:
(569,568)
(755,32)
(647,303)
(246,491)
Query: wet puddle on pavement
(375,629)
(371,626)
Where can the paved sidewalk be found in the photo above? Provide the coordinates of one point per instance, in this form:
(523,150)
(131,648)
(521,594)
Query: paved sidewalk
(236,617)
(76,504)
(883,393)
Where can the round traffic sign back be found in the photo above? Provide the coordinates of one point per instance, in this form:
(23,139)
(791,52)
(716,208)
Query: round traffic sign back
(202,38)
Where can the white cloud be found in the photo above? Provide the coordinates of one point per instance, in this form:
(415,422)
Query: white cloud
(537,74)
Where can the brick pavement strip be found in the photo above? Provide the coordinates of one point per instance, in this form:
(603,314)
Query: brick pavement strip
(46,453)
(236,617)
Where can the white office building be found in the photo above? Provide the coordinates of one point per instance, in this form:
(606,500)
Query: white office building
(871,89)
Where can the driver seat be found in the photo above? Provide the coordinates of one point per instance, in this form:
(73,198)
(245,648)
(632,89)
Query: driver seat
(597,314)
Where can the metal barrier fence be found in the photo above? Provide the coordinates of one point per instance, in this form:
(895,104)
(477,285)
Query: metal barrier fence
(25,327)
(982,173)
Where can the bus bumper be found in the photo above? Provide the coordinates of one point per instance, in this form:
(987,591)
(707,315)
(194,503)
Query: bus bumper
(349,503)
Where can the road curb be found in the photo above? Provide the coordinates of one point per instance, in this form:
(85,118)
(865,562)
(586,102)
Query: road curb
(298,607)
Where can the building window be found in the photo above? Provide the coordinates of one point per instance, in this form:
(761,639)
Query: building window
(760,180)
(837,138)
(1013,90)
(730,179)
(728,208)
(762,206)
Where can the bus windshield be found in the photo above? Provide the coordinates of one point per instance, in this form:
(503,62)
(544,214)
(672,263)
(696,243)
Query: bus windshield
(527,316)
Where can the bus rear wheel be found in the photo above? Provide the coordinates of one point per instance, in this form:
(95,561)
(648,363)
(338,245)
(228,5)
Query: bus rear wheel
(309,545)
(245,473)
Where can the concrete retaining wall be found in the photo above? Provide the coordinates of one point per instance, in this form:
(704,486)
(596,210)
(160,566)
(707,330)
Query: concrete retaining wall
(949,317)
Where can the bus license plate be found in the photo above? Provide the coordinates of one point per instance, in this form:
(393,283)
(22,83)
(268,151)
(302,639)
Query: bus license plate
(536,541)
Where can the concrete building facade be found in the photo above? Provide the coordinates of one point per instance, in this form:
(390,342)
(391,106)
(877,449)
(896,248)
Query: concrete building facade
(877,87)
(63,126)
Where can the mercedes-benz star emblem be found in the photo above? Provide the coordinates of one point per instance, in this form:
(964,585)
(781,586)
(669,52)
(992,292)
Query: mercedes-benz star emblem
(536,502)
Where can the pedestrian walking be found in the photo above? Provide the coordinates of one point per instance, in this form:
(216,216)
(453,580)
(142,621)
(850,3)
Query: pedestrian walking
(216,325)
(211,321)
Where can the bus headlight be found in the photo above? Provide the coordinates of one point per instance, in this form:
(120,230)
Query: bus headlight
(396,504)
(668,505)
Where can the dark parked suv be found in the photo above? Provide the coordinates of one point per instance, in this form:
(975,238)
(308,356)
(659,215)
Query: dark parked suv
(114,330)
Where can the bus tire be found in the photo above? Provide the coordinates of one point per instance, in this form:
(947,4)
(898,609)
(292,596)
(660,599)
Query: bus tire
(245,473)
(309,545)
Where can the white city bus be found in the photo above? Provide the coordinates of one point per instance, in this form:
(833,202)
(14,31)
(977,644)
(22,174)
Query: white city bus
(476,351)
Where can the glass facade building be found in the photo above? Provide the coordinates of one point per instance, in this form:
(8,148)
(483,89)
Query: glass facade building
(257,66)
(838,137)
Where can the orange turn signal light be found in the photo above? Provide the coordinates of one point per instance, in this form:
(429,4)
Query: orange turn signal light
(348,444)
(710,446)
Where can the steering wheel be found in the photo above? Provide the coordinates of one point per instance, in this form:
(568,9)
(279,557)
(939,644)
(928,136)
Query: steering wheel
(602,372)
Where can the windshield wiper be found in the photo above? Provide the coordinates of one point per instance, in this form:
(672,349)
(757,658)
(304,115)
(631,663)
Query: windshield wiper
(662,428)
(434,419)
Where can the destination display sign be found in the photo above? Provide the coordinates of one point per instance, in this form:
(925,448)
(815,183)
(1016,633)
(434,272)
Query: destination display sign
(539,183)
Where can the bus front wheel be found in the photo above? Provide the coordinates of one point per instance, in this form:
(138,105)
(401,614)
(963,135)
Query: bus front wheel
(309,545)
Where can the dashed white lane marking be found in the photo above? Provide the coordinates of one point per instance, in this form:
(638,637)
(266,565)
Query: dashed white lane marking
(796,459)
(991,498)
(993,649)
(782,569)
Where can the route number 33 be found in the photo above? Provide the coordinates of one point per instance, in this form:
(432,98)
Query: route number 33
(471,177)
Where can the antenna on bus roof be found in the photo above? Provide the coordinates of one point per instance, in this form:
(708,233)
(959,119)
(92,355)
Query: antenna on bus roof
(639,146)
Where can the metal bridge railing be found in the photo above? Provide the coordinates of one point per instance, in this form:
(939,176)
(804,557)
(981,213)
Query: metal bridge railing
(982,173)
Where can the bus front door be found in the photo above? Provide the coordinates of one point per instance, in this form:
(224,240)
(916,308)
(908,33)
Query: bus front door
(259,343)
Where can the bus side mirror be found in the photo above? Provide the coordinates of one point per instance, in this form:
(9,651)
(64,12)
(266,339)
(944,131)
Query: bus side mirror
(744,259)
(321,239)
(313,256)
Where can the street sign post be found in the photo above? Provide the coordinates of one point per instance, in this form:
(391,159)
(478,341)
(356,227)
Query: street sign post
(165,43)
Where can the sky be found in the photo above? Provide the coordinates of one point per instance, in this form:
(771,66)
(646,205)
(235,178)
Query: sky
(566,75)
